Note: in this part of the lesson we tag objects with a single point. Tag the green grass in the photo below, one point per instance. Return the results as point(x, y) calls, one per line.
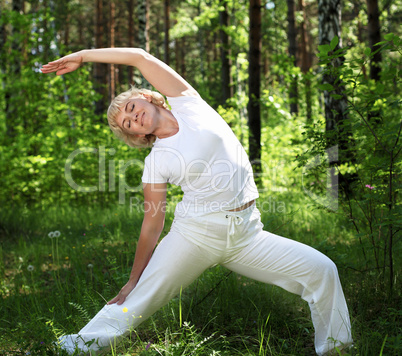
point(52, 286)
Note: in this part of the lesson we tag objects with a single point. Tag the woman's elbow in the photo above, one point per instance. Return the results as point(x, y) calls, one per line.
point(152, 226)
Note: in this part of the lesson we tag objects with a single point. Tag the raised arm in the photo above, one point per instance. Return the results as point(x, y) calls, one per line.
point(158, 74)
point(152, 226)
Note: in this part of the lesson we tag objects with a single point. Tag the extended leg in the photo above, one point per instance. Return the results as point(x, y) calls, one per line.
point(302, 270)
point(175, 263)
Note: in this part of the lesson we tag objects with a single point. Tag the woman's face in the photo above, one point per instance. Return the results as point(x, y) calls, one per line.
point(138, 116)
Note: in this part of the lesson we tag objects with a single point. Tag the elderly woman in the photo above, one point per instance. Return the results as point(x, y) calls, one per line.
point(217, 221)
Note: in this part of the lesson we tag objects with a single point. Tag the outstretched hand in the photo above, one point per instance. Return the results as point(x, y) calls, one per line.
point(124, 292)
point(63, 65)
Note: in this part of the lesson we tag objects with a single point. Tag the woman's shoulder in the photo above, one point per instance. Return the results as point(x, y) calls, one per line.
point(185, 100)
point(193, 106)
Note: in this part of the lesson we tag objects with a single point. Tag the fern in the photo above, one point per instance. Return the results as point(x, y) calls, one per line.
point(82, 311)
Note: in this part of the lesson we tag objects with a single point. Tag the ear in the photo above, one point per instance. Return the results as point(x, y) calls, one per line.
point(147, 97)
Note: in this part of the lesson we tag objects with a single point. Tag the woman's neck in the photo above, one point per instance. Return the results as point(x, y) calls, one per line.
point(168, 124)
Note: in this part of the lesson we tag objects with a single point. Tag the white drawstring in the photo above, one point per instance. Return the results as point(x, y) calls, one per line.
point(233, 221)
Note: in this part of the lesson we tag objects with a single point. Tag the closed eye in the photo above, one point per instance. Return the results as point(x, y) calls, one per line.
point(126, 124)
point(132, 108)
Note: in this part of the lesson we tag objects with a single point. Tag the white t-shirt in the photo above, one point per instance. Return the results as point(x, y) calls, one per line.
point(204, 158)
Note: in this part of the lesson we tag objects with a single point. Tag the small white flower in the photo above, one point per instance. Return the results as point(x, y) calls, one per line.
point(90, 265)
point(30, 268)
point(51, 234)
point(56, 233)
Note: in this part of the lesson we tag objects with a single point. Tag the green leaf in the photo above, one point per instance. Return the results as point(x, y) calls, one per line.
point(381, 43)
point(325, 86)
point(367, 51)
point(380, 88)
point(334, 43)
point(348, 72)
point(324, 48)
point(389, 36)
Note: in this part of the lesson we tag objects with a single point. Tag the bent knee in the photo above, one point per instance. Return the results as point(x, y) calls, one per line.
point(327, 267)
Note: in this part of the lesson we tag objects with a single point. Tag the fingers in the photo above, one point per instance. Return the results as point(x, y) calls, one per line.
point(125, 291)
point(114, 300)
point(60, 66)
point(119, 300)
point(63, 65)
point(46, 68)
point(51, 67)
point(57, 69)
point(56, 61)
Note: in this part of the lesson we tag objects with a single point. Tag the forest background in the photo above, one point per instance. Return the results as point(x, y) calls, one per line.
point(311, 89)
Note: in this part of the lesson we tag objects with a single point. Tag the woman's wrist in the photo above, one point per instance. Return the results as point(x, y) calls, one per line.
point(132, 282)
point(84, 55)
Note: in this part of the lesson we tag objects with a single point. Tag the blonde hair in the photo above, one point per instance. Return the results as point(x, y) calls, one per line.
point(115, 109)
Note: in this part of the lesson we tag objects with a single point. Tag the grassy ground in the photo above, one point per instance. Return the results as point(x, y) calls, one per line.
point(52, 285)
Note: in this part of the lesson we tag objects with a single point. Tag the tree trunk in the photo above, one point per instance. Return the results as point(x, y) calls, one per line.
point(304, 53)
point(374, 35)
point(180, 61)
point(3, 40)
point(201, 45)
point(112, 80)
point(67, 31)
point(130, 36)
point(227, 91)
point(254, 82)
point(63, 16)
point(166, 27)
point(305, 64)
point(177, 49)
point(100, 69)
point(292, 52)
point(80, 29)
point(329, 12)
point(143, 24)
point(45, 29)
point(143, 30)
point(360, 31)
point(339, 132)
point(336, 118)
point(14, 61)
point(214, 55)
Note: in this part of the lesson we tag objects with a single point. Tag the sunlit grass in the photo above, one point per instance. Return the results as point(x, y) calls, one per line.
point(52, 284)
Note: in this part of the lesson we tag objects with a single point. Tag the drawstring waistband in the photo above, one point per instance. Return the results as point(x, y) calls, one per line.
point(233, 221)
point(219, 231)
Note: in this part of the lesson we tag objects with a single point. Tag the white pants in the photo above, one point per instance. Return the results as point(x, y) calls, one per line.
point(236, 241)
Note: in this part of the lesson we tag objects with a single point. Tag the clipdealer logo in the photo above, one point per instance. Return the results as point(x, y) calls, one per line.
point(123, 165)
point(330, 199)
point(189, 169)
